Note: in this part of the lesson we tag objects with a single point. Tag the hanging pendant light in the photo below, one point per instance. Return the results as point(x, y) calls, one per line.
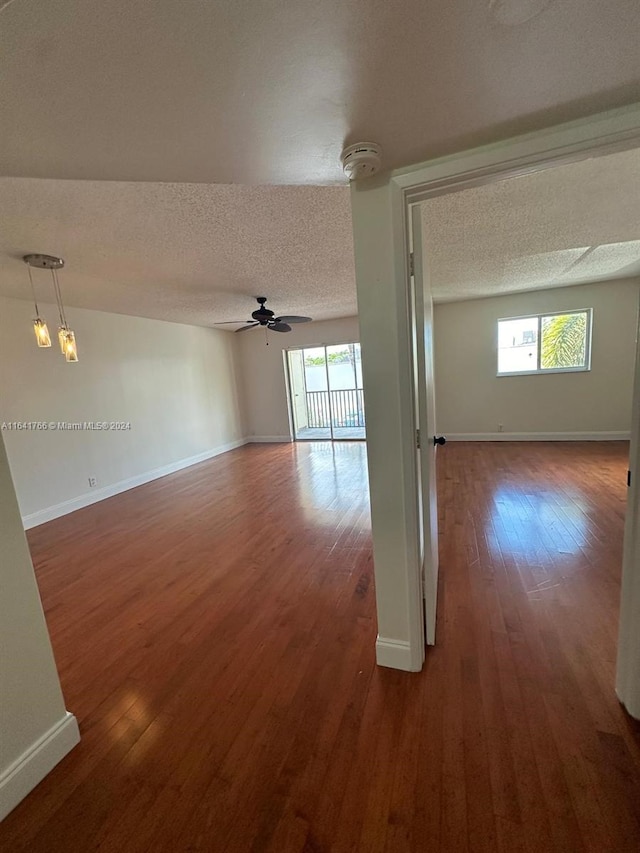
point(70, 348)
point(42, 332)
point(66, 337)
point(43, 338)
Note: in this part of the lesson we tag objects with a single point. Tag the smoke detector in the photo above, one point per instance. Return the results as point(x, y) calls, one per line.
point(361, 160)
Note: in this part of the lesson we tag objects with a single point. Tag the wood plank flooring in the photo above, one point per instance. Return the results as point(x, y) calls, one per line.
point(214, 632)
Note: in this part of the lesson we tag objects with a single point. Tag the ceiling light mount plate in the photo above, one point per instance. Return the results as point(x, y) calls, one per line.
point(44, 262)
point(361, 160)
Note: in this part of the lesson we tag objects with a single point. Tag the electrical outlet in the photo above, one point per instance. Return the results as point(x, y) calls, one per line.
point(92, 481)
point(500, 427)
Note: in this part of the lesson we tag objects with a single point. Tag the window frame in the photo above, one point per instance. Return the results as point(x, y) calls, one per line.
point(544, 370)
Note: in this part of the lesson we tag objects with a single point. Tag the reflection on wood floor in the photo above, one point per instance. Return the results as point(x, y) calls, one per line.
point(339, 433)
point(215, 630)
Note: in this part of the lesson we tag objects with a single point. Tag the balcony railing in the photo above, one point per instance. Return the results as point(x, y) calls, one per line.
point(335, 408)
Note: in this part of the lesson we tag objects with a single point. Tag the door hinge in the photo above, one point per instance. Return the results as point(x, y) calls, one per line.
point(418, 439)
point(412, 270)
point(629, 479)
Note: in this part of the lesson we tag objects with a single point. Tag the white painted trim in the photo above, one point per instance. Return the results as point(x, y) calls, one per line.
point(623, 435)
point(35, 763)
point(339, 343)
point(396, 654)
point(604, 133)
point(96, 495)
point(269, 439)
point(632, 706)
point(628, 657)
point(385, 336)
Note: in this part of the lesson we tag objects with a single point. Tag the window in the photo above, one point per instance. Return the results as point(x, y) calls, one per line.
point(545, 343)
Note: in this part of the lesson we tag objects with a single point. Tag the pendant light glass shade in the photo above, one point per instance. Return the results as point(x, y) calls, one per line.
point(62, 331)
point(70, 346)
point(43, 338)
point(42, 332)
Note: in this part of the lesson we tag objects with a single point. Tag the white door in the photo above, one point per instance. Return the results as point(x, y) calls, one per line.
point(426, 424)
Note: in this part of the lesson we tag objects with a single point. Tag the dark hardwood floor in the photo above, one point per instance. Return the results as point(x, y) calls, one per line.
point(214, 632)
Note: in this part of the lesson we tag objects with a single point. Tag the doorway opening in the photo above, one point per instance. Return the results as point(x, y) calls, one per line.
point(512, 355)
point(383, 272)
point(325, 392)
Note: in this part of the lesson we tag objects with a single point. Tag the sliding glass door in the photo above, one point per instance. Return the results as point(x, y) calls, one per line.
point(326, 392)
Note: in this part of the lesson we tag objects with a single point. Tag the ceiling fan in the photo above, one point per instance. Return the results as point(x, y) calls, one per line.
point(265, 317)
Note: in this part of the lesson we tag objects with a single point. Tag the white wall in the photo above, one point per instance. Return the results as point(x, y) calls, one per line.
point(471, 400)
point(175, 384)
point(36, 729)
point(263, 375)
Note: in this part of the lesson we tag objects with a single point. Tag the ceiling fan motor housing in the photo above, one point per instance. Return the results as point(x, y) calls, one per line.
point(262, 314)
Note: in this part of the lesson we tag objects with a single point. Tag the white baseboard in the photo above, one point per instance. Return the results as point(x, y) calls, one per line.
point(396, 654)
point(623, 435)
point(632, 706)
point(95, 495)
point(269, 439)
point(23, 775)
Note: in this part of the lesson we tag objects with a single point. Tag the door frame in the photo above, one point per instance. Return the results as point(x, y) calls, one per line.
point(381, 225)
point(425, 420)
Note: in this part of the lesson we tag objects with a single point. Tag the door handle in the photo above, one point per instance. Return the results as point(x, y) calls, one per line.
point(439, 439)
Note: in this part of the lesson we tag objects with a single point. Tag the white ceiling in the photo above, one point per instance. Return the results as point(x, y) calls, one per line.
point(145, 143)
point(568, 225)
point(190, 253)
point(268, 92)
point(199, 253)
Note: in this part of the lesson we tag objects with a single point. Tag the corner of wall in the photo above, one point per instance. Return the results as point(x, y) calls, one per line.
point(36, 762)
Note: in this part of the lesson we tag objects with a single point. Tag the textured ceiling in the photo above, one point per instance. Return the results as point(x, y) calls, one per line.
point(199, 253)
point(191, 253)
point(568, 225)
point(268, 92)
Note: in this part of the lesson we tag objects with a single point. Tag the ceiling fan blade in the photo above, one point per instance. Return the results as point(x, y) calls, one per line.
point(292, 318)
point(279, 327)
point(231, 322)
point(250, 326)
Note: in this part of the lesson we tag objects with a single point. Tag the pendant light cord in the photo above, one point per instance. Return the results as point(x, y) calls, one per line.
point(56, 287)
point(33, 292)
